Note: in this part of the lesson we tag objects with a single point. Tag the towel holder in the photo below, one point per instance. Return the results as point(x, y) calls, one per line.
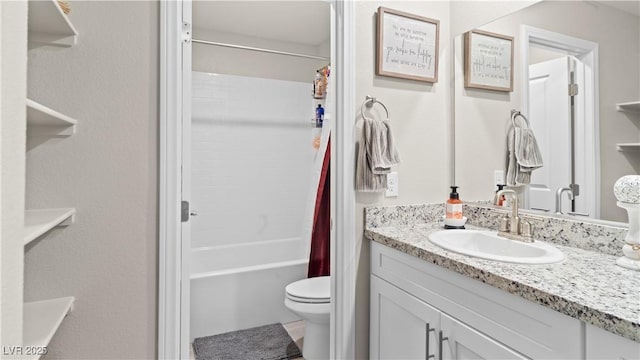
point(369, 102)
point(514, 115)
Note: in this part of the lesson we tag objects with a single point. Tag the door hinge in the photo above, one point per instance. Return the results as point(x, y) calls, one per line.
point(186, 33)
point(184, 211)
point(573, 89)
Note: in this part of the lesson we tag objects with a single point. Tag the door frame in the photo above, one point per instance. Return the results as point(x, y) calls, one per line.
point(172, 300)
point(587, 52)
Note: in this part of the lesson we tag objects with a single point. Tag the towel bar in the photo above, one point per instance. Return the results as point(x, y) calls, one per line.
point(515, 114)
point(369, 102)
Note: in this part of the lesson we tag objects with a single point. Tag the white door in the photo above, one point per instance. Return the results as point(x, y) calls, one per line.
point(549, 116)
point(402, 326)
point(585, 146)
point(462, 342)
point(185, 242)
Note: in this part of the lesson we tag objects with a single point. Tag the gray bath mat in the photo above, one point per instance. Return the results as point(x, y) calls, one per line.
point(269, 342)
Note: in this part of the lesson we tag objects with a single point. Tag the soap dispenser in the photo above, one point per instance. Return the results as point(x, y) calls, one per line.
point(502, 198)
point(453, 216)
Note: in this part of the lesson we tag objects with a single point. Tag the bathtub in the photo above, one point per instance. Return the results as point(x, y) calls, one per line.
point(241, 286)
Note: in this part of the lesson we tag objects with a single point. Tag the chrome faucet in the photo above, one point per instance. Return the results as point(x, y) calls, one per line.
point(512, 227)
point(559, 198)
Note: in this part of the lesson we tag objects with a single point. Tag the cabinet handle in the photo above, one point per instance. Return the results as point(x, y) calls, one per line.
point(441, 340)
point(429, 330)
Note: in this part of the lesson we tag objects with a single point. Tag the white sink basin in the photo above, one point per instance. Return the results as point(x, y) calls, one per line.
point(488, 245)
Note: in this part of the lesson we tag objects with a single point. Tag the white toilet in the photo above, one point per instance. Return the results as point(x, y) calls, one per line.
point(310, 299)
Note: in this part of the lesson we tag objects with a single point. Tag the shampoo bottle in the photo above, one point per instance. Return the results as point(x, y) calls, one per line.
point(318, 86)
point(319, 116)
point(454, 205)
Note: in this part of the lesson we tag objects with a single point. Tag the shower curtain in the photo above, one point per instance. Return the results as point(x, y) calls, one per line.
point(319, 256)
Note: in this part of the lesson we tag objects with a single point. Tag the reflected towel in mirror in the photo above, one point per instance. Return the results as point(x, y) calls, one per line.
point(523, 154)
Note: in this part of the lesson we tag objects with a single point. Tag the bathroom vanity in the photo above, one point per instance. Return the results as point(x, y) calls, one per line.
point(428, 302)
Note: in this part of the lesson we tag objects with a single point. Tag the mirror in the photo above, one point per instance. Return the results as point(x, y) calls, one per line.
point(595, 43)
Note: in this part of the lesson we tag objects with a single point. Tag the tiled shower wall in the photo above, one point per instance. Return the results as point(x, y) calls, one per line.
point(251, 159)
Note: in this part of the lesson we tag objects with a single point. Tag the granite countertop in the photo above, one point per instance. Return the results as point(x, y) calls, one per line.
point(587, 285)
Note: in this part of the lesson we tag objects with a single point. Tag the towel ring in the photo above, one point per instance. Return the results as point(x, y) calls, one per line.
point(514, 115)
point(369, 102)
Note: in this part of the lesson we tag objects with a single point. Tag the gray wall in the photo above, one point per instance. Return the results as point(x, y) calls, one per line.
point(108, 172)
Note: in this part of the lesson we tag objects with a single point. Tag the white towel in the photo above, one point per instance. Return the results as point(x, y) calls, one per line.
point(523, 155)
point(376, 154)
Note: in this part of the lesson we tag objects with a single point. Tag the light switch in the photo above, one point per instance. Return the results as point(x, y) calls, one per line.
point(392, 184)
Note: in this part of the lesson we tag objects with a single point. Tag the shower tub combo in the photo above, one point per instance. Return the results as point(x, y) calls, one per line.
point(254, 186)
point(242, 286)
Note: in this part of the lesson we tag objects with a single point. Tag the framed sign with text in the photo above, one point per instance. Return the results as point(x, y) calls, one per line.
point(407, 46)
point(488, 61)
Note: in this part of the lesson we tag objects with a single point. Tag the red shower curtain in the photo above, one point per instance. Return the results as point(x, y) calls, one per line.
point(319, 257)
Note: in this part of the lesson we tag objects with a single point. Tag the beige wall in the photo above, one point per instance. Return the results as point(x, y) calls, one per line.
point(108, 172)
point(420, 122)
point(482, 116)
point(13, 72)
point(467, 15)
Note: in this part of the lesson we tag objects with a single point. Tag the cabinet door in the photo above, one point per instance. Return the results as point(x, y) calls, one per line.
point(602, 344)
point(462, 342)
point(400, 324)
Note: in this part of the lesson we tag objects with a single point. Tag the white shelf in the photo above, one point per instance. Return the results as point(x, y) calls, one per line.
point(38, 222)
point(43, 121)
point(633, 106)
point(628, 147)
point(48, 25)
point(41, 320)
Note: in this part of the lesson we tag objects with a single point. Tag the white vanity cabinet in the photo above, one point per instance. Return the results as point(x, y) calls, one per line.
point(602, 344)
point(460, 341)
point(409, 296)
point(404, 327)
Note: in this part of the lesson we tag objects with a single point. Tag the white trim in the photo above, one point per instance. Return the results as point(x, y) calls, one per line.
point(183, 166)
point(343, 236)
point(587, 52)
point(169, 264)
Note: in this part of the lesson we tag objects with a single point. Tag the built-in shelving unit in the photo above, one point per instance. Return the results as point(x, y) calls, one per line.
point(41, 321)
point(48, 25)
point(43, 121)
point(633, 106)
point(629, 107)
point(38, 222)
point(628, 147)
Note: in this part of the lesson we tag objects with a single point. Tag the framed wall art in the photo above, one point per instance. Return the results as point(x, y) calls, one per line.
point(407, 46)
point(488, 61)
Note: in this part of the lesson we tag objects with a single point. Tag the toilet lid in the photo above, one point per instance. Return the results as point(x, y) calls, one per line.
point(312, 290)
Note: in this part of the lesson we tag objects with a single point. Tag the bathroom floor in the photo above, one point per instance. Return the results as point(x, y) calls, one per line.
point(295, 330)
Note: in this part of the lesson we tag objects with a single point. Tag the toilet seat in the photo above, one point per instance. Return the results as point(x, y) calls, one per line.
point(311, 291)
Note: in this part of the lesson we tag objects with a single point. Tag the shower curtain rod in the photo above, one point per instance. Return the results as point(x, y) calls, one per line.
point(259, 49)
